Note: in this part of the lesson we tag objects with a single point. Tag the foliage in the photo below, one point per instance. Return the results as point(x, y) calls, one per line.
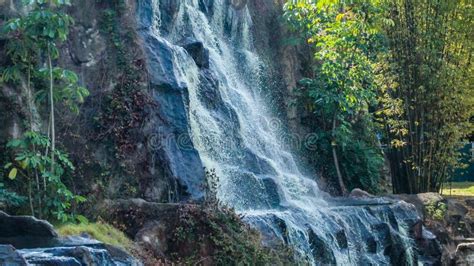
point(346, 41)
point(31, 39)
point(9, 198)
point(428, 75)
point(124, 109)
point(405, 65)
point(227, 239)
point(33, 34)
point(436, 210)
point(66, 91)
point(47, 194)
point(37, 34)
point(100, 231)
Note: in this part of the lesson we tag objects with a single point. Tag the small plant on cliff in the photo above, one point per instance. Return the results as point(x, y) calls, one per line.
point(48, 196)
point(436, 210)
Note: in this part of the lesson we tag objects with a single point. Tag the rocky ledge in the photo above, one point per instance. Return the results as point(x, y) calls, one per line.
point(25, 240)
point(446, 236)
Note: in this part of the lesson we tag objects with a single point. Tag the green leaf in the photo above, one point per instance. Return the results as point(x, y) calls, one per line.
point(339, 17)
point(14, 143)
point(82, 219)
point(80, 199)
point(12, 174)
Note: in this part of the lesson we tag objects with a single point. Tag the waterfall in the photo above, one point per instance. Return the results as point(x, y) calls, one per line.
point(232, 128)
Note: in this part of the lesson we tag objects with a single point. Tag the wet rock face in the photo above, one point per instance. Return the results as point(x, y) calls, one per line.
point(67, 256)
point(169, 10)
point(341, 239)
point(169, 131)
point(371, 245)
point(438, 241)
point(198, 52)
point(206, 6)
point(379, 232)
point(321, 251)
point(10, 256)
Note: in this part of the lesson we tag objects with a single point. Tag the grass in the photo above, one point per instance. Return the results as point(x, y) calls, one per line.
point(100, 231)
point(459, 189)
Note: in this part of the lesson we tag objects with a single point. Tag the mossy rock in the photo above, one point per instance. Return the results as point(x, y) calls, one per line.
point(100, 231)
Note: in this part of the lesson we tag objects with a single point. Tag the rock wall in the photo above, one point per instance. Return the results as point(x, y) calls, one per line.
point(124, 143)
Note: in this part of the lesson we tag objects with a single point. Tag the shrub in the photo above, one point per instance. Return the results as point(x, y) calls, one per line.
point(436, 210)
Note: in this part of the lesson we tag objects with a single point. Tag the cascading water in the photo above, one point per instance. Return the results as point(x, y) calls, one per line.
point(234, 133)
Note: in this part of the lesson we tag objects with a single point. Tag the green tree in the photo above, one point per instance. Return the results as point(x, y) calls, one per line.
point(346, 40)
point(32, 47)
point(38, 33)
point(429, 74)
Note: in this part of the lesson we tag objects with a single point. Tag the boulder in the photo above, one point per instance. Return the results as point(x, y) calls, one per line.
point(429, 197)
point(465, 254)
point(419, 200)
point(24, 226)
point(359, 193)
point(153, 236)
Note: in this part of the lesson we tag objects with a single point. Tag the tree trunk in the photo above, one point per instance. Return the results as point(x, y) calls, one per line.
point(51, 98)
point(336, 161)
point(32, 128)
